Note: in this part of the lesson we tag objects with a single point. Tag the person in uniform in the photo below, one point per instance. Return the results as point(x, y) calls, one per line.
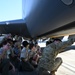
point(48, 61)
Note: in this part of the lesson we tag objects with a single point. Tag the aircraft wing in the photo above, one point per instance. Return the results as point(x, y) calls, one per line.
point(48, 18)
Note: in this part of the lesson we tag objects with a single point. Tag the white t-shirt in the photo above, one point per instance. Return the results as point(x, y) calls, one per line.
point(8, 52)
point(24, 53)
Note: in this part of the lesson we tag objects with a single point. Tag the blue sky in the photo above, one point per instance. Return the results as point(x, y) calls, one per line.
point(10, 10)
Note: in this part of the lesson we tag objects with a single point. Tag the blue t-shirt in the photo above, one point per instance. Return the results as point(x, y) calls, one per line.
point(1, 51)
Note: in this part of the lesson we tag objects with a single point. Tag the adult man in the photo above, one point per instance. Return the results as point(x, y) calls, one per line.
point(4, 61)
point(33, 55)
point(49, 62)
point(26, 66)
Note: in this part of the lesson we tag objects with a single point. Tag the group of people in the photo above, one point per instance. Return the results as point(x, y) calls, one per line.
point(25, 56)
point(18, 55)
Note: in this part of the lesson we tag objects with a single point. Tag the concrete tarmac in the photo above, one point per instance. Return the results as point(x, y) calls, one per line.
point(68, 66)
